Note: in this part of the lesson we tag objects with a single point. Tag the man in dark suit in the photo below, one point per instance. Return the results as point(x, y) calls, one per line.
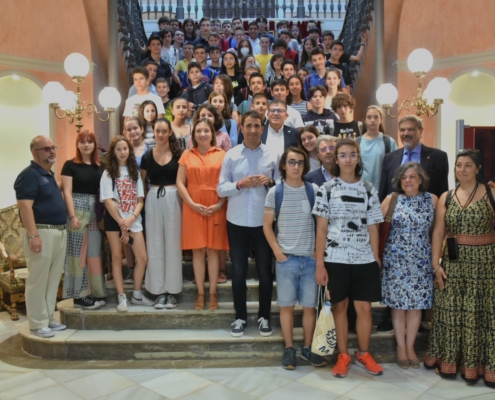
point(433, 161)
point(276, 135)
point(325, 147)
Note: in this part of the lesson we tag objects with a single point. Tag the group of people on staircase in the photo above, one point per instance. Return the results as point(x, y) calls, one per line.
point(232, 170)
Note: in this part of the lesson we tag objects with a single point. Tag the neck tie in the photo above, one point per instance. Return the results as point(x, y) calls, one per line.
point(408, 156)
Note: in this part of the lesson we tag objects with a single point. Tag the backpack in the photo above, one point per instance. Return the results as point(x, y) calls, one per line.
point(279, 197)
point(386, 142)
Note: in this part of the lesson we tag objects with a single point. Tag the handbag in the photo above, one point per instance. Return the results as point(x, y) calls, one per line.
point(385, 225)
point(324, 337)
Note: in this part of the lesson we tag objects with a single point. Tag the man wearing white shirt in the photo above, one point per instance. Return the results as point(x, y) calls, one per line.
point(253, 30)
point(280, 90)
point(247, 172)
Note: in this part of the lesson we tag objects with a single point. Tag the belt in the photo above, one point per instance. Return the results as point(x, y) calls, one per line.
point(57, 227)
point(476, 240)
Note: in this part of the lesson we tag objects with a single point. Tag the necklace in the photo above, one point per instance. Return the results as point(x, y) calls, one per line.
point(470, 198)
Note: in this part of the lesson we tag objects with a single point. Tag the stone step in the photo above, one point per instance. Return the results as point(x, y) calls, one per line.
point(73, 344)
point(182, 317)
point(189, 291)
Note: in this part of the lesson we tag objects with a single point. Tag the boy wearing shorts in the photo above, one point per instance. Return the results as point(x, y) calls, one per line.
point(290, 204)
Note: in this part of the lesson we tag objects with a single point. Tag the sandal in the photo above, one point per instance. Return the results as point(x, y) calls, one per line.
point(222, 278)
point(213, 301)
point(200, 302)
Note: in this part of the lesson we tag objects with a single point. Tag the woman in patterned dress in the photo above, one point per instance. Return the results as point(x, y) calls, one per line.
point(463, 332)
point(407, 280)
point(83, 273)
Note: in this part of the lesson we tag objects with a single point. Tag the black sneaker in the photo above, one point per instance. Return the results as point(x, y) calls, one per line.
point(239, 326)
point(160, 302)
point(265, 328)
point(101, 300)
point(289, 358)
point(130, 276)
point(171, 301)
point(314, 359)
point(87, 303)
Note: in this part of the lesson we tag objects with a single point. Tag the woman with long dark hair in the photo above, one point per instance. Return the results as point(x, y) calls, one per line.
point(231, 68)
point(83, 274)
point(189, 30)
point(163, 216)
point(463, 331)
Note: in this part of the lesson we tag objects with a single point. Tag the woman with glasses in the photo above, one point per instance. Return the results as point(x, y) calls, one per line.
point(348, 213)
point(463, 332)
point(83, 274)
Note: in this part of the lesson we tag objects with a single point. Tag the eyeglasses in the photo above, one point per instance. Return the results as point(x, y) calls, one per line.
point(327, 149)
point(276, 110)
point(293, 163)
point(48, 149)
point(344, 156)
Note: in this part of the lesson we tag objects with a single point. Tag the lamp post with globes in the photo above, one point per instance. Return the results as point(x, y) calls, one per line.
point(428, 102)
point(77, 67)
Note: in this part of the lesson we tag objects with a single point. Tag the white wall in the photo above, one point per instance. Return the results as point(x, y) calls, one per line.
point(472, 99)
point(23, 115)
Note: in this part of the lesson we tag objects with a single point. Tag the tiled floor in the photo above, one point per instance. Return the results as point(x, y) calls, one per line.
point(271, 383)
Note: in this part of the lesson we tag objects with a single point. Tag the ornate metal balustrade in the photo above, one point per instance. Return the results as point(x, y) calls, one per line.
point(358, 18)
point(223, 9)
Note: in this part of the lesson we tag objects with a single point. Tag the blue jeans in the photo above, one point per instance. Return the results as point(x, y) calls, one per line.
point(296, 282)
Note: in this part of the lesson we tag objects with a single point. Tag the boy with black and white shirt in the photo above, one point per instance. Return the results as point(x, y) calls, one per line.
point(348, 212)
point(290, 204)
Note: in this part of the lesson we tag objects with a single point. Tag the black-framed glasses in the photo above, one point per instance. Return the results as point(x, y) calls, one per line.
point(293, 163)
point(276, 110)
point(327, 149)
point(48, 149)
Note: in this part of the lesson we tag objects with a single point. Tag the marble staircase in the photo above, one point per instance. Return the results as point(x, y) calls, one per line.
point(181, 333)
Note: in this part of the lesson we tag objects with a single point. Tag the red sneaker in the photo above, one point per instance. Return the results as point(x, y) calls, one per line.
point(367, 362)
point(341, 368)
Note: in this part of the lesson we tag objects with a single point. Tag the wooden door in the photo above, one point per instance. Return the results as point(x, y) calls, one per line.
point(483, 139)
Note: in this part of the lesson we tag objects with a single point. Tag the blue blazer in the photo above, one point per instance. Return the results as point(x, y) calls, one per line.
point(316, 177)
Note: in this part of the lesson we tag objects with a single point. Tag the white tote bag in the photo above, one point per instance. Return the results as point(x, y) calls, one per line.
point(324, 338)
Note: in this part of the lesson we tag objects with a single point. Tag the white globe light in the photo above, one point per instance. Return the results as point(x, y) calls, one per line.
point(76, 65)
point(420, 60)
point(53, 92)
point(109, 97)
point(387, 94)
point(439, 88)
point(428, 95)
point(69, 101)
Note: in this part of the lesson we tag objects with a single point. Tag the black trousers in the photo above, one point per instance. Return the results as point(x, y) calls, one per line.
point(240, 238)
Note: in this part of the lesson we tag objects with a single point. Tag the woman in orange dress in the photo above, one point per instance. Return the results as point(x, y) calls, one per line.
point(204, 223)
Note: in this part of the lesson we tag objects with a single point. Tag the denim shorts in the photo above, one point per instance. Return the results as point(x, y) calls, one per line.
point(296, 282)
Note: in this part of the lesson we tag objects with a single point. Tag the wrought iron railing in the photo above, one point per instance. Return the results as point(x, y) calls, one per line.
point(358, 19)
point(131, 28)
point(223, 9)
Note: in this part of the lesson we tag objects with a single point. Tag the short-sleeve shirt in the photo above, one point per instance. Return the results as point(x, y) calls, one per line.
point(160, 175)
point(296, 228)
point(346, 130)
point(34, 183)
point(126, 192)
point(132, 104)
point(85, 177)
point(349, 209)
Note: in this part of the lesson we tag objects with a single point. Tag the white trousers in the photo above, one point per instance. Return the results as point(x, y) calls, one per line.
point(45, 270)
point(163, 241)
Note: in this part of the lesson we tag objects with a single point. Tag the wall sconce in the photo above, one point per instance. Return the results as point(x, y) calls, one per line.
point(77, 67)
point(428, 102)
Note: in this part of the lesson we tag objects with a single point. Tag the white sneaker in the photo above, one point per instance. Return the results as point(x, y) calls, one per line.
point(43, 332)
point(123, 305)
point(143, 301)
point(57, 326)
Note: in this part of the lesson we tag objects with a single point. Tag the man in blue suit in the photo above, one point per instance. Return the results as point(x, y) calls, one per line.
point(325, 146)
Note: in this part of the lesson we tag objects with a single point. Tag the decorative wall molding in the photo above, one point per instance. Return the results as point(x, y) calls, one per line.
point(462, 61)
point(29, 63)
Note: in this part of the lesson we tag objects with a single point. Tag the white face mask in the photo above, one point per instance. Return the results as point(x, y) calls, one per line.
point(244, 51)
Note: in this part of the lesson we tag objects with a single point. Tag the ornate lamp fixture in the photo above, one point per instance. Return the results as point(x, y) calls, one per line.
point(77, 67)
point(428, 102)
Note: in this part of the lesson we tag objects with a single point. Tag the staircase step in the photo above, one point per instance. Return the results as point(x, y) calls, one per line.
point(178, 344)
point(182, 317)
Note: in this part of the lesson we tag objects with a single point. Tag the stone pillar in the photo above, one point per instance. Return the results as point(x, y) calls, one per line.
point(300, 8)
point(113, 64)
point(179, 11)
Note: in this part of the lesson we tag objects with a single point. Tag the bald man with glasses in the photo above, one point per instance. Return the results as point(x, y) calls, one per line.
point(44, 217)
